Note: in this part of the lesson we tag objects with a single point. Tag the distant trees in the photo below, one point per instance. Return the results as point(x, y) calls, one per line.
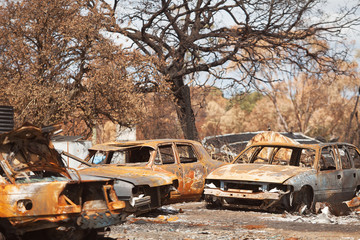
point(56, 65)
point(319, 108)
point(214, 36)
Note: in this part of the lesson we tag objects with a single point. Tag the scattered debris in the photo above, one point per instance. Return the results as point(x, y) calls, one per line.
point(354, 204)
point(227, 224)
point(251, 227)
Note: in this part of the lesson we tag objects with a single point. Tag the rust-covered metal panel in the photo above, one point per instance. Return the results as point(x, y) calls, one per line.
point(235, 193)
point(257, 172)
point(354, 204)
point(136, 175)
point(270, 136)
point(17, 196)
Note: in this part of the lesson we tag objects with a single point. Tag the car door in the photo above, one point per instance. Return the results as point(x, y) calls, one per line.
point(166, 161)
point(193, 170)
point(355, 157)
point(328, 186)
point(348, 180)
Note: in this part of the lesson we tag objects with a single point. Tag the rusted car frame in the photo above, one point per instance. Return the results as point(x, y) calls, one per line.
point(286, 176)
point(38, 193)
point(179, 166)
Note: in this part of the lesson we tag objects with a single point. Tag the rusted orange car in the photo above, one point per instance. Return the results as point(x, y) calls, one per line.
point(38, 195)
point(153, 172)
point(288, 176)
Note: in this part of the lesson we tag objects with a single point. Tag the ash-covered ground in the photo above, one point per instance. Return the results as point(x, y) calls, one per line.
point(194, 221)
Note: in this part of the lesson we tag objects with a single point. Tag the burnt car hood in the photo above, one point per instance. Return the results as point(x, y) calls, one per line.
point(256, 172)
point(28, 148)
point(135, 175)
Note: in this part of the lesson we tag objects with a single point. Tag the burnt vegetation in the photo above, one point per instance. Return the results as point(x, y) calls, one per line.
point(67, 61)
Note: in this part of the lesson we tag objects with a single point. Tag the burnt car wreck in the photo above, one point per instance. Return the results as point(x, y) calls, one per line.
point(39, 195)
point(286, 176)
point(151, 173)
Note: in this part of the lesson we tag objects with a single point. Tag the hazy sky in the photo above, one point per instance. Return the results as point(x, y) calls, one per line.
point(353, 36)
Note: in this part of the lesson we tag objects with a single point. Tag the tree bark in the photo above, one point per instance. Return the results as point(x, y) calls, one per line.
point(349, 137)
point(184, 109)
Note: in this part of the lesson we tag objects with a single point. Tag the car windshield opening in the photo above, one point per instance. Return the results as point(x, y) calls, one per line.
point(32, 155)
point(278, 155)
point(135, 155)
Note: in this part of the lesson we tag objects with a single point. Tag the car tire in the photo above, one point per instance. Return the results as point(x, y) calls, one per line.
point(211, 204)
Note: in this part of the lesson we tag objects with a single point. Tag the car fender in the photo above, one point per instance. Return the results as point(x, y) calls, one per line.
point(123, 189)
point(302, 179)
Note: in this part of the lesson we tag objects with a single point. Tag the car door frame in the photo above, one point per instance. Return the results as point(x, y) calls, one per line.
point(174, 168)
point(349, 176)
point(194, 174)
point(328, 182)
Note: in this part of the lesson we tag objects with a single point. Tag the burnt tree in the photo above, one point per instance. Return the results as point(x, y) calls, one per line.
point(215, 36)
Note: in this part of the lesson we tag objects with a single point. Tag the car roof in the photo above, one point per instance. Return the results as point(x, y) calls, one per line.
point(299, 145)
point(121, 145)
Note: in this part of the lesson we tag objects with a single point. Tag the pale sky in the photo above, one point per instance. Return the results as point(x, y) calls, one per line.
point(353, 36)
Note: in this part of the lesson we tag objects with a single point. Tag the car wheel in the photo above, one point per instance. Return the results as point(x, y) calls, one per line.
point(303, 200)
point(211, 203)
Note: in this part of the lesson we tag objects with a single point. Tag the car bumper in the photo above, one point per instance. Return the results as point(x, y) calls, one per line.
point(245, 195)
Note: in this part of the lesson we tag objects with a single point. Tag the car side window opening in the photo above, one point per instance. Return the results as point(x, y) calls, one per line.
point(344, 158)
point(355, 156)
point(165, 155)
point(138, 155)
point(277, 155)
point(186, 154)
point(126, 156)
point(327, 159)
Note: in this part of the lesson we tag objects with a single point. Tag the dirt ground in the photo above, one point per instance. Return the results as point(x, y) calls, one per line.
point(194, 221)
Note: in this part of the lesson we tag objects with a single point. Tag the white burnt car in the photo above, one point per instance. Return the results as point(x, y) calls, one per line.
point(288, 176)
